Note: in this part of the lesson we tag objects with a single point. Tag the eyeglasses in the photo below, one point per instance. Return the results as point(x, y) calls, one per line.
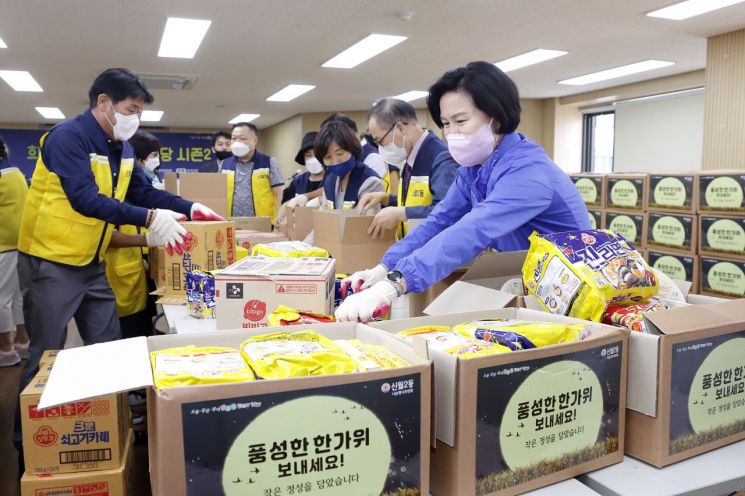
point(380, 141)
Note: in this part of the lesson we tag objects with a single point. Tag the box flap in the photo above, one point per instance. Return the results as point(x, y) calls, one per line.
point(354, 231)
point(269, 267)
point(262, 224)
point(642, 378)
point(170, 182)
point(326, 227)
point(727, 315)
point(98, 370)
point(492, 265)
point(467, 297)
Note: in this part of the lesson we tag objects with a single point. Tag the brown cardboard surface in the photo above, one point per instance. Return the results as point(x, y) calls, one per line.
point(344, 235)
point(252, 288)
point(672, 231)
point(592, 187)
point(673, 192)
point(626, 196)
point(676, 265)
point(722, 191)
point(261, 224)
point(722, 276)
point(210, 189)
point(721, 235)
point(74, 437)
point(248, 238)
point(111, 482)
point(299, 223)
point(631, 225)
point(212, 247)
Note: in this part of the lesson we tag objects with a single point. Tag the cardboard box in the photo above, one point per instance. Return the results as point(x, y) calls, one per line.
point(212, 247)
point(48, 357)
point(156, 258)
point(112, 482)
point(677, 266)
point(671, 231)
point(723, 276)
point(500, 421)
point(256, 431)
point(248, 291)
point(261, 224)
point(344, 234)
point(627, 191)
point(591, 187)
point(597, 218)
point(632, 226)
point(684, 397)
point(247, 239)
point(676, 192)
point(75, 437)
point(722, 235)
point(722, 191)
point(299, 223)
point(210, 189)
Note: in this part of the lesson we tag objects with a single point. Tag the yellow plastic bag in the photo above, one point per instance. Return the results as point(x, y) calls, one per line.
point(521, 334)
point(286, 316)
point(280, 355)
point(371, 356)
point(579, 273)
point(438, 337)
point(288, 249)
point(191, 365)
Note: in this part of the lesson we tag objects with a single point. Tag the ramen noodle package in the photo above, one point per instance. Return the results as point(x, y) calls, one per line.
point(371, 356)
point(280, 355)
point(580, 273)
point(286, 316)
point(288, 249)
point(632, 316)
point(200, 294)
point(191, 365)
point(523, 335)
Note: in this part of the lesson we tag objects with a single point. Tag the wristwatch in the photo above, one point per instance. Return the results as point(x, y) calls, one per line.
point(397, 279)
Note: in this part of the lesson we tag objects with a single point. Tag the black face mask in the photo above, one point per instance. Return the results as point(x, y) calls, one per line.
point(222, 155)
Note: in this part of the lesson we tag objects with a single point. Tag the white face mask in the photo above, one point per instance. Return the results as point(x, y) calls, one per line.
point(239, 149)
point(152, 163)
point(126, 125)
point(313, 165)
point(392, 153)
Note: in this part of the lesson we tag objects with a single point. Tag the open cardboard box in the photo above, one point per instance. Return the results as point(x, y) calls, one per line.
point(206, 437)
point(298, 223)
point(344, 234)
point(501, 420)
point(210, 189)
point(261, 224)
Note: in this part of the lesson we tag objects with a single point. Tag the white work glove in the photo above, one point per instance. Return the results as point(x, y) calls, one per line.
point(363, 306)
point(166, 225)
point(365, 278)
point(298, 201)
point(153, 240)
point(314, 203)
point(202, 212)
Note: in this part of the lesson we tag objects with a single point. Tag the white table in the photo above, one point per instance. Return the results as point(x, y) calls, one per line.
point(180, 322)
point(718, 472)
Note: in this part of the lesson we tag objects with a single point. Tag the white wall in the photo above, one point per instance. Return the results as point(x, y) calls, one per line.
point(661, 134)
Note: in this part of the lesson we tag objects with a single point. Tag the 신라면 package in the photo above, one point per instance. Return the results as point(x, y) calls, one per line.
point(521, 334)
point(580, 273)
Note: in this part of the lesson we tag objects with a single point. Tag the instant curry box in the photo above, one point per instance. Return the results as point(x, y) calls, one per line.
point(358, 433)
point(516, 421)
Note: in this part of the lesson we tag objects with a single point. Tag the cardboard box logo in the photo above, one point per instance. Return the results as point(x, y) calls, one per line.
point(234, 290)
point(254, 310)
point(45, 436)
point(192, 243)
point(219, 239)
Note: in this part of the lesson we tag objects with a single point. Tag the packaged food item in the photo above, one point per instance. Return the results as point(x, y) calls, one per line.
point(191, 365)
point(200, 294)
point(580, 273)
point(341, 292)
point(438, 337)
point(371, 356)
point(240, 253)
point(288, 249)
point(472, 348)
point(280, 355)
point(286, 316)
point(521, 334)
point(632, 317)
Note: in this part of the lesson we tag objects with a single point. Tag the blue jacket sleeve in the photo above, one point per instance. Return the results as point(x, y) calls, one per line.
point(517, 197)
point(65, 154)
point(454, 206)
point(142, 194)
point(441, 177)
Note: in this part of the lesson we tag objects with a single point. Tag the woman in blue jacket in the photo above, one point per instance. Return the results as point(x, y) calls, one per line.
point(506, 188)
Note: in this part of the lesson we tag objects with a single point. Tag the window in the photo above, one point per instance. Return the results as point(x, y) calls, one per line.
point(597, 146)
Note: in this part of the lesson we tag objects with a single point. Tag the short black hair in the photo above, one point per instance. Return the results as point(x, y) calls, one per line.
point(341, 134)
point(3, 149)
point(144, 144)
point(218, 135)
point(248, 125)
point(119, 84)
point(343, 118)
point(389, 111)
point(492, 91)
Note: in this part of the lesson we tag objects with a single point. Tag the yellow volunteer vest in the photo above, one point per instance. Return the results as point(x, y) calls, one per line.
point(125, 270)
point(13, 191)
point(52, 230)
point(418, 195)
point(262, 193)
point(391, 182)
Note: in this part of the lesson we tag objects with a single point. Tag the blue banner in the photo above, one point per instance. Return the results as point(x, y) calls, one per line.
point(180, 152)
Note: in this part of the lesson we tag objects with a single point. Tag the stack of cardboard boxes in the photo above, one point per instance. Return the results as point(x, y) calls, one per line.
point(689, 225)
point(78, 448)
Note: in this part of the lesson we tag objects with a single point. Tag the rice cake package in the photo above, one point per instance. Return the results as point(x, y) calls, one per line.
point(191, 365)
point(288, 249)
point(580, 273)
point(370, 356)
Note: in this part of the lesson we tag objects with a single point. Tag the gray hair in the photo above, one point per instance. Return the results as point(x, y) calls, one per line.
point(389, 111)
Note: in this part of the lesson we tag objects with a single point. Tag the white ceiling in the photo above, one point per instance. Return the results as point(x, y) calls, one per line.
point(256, 47)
